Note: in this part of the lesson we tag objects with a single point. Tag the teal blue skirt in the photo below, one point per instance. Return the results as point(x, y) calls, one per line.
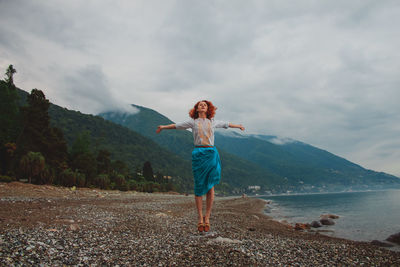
point(206, 166)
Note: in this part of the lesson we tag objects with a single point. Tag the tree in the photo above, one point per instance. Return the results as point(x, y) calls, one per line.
point(10, 123)
point(36, 123)
point(7, 157)
point(56, 149)
point(86, 164)
point(70, 178)
point(32, 164)
point(120, 182)
point(81, 144)
point(10, 73)
point(103, 181)
point(120, 167)
point(148, 172)
point(159, 178)
point(103, 162)
point(38, 136)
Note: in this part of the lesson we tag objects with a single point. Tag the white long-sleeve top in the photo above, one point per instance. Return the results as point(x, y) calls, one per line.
point(203, 130)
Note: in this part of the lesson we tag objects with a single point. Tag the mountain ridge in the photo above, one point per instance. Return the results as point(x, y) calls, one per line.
point(291, 165)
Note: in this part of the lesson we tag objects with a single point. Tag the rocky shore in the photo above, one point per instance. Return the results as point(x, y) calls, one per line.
point(51, 226)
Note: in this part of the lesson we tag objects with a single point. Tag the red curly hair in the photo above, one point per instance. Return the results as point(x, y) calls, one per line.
point(210, 110)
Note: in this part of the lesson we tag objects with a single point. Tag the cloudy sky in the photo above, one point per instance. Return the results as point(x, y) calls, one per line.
point(323, 72)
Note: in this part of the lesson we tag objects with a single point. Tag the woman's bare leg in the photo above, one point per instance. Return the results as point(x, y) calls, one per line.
point(199, 205)
point(209, 202)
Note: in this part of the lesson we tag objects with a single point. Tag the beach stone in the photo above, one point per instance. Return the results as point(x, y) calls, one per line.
point(394, 238)
point(73, 227)
point(302, 226)
point(224, 240)
point(381, 244)
point(316, 224)
point(160, 214)
point(326, 221)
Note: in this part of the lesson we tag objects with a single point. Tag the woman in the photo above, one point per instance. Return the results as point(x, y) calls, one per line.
point(206, 164)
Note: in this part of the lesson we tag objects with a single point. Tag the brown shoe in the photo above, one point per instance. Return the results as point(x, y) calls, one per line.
point(200, 227)
point(206, 225)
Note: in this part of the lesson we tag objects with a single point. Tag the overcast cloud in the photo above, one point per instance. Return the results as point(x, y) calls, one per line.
point(323, 72)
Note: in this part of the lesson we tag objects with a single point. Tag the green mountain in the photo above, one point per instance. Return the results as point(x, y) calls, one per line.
point(274, 164)
point(237, 173)
point(303, 164)
point(124, 144)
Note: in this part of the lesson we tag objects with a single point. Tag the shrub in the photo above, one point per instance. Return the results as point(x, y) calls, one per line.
point(102, 181)
point(80, 179)
point(6, 179)
point(46, 176)
point(68, 178)
point(133, 185)
point(123, 187)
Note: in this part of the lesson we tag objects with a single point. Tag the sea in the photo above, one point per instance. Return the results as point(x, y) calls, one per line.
point(363, 216)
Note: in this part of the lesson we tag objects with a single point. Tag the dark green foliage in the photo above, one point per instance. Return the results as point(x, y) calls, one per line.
point(101, 153)
point(80, 179)
point(57, 151)
point(148, 172)
point(9, 113)
point(31, 165)
point(6, 179)
point(123, 144)
point(120, 182)
point(10, 120)
point(46, 176)
point(38, 136)
point(71, 178)
point(81, 144)
point(86, 164)
point(10, 75)
point(67, 178)
point(103, 181)
point(104, 161)
point(36, 123)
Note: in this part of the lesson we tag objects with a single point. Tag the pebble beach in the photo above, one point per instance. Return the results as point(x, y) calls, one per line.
point(55, 226)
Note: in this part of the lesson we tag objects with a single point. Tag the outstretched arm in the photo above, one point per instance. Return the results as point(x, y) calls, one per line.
point(164, 127)
point(236, 126)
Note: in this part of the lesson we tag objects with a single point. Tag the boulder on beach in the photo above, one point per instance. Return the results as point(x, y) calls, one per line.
point(329, 216)
point(394, 238)
point(327, 221)
point(316, 224)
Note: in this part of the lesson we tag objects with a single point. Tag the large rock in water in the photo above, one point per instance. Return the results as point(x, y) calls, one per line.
point(326, 221)
point(329, 216)
point(394, 238)
point(315, 224)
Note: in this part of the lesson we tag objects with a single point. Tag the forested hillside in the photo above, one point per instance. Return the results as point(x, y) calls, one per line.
point(237, 173)
point(45, 144)
point(259, 160)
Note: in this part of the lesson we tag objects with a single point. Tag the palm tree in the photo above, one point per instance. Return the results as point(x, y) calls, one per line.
point(32, 164)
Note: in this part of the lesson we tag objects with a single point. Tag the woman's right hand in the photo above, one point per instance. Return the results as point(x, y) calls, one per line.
point(159, 128)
